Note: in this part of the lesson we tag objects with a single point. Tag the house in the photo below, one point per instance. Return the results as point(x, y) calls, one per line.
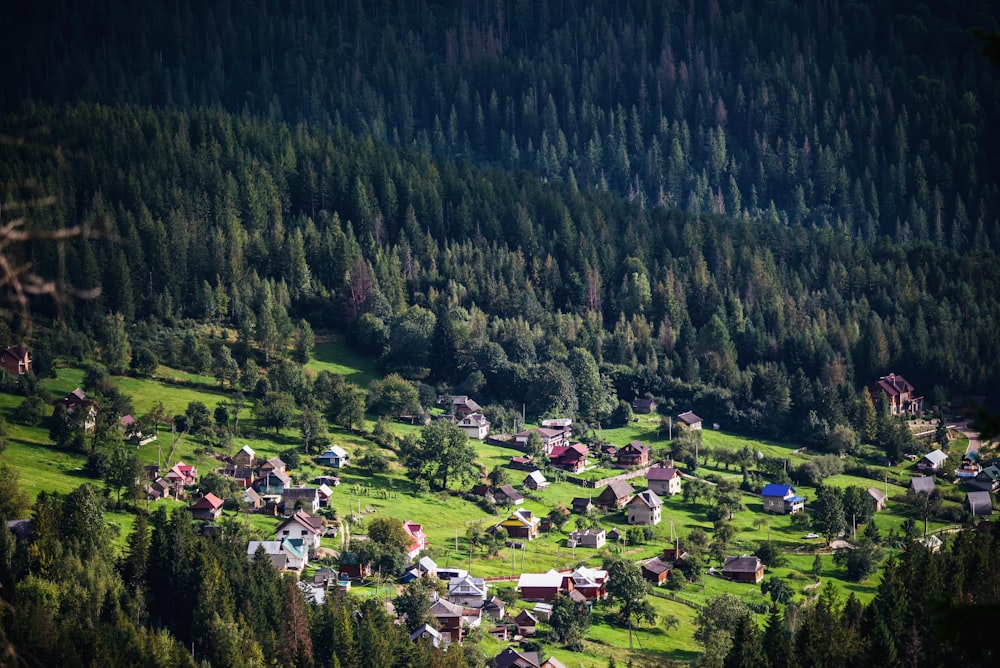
point(182, 475)
point(616, 534)
point(979, 503)
point(334, 456)
point(208, 507)
point(540, 586)
point(932, 542)
point(582, 505)
point(451, 573)
point(240, 475)
point(521, 463)
point(132, 431)
point(418, 541)
point(429, 634)
point(615, 495)
point(483, 490)
point(462, 405)
point(251, 499)
point(782, 499)
point(664, 480)
point(526, 623)
point(454, 619)
point(932, 461)
point(295, 498)
point(507, 495)
point(635, 453)
point(512, 658)
point(245, 456)
point(77, 401)
point(878, 497)
point(291, 554)
point(689, 420)
point(644, 406)
point(548, 523)
point(520, 524)
point(326, 578)
point(550, 438)
point(655, 571)
point(15, 360)
point(922, 485)
point(303, 526)
point(424, 567)
point(273, 482)
point(987, 480)
point(467, 591)
point(898, 393)
point(495, 608)
point(743, 569)
point(536, 480)
point(572, 458)
point(158, 489)
point(475, 426)
point(590, 582)
point(350, 565)
point(595, 538)
point(22, 529)
point(644, 508)
point(325, 495)
point(331, 480)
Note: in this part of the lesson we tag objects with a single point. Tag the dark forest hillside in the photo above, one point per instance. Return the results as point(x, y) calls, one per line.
point(875, 118)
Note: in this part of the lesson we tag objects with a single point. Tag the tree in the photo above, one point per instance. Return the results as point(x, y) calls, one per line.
point(498, 476)
point(31, 411)
point(442, 453)
point(828, 513)
point(275, 411)
point(156, 414)
point(305, 342)
point(595, 398)
point(144, 361)
point(388, 531)
point(199, 419)
point(817, 566)
point(923, 505)
point(374, 460)
point(393, 395)
point(747, 646)
point(569, 620)
point(413, 604)
point(628, 589)
point(124, 472)
point(348, 408)
point(777, 589)
point(715, 625)
point(694, 490)
point(686, 447)
point(115, 350)
point(311, 428)
point(861, 561)
point(14, 501)
point(770, 555)
point(224, 367)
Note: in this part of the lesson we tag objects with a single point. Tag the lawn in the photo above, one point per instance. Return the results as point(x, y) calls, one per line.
point(333, 355)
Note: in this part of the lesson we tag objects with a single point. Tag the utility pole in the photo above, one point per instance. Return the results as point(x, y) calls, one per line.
point(670, 428)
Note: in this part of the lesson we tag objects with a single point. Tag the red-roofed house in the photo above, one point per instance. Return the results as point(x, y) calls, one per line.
point(899, 394)
point(571, 458)
point(208, 507)
point(418, 541)
point(635, 453)
point(15, 360)
point(182, 475)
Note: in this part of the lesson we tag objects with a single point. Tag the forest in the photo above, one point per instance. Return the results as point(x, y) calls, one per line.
point(752, 210)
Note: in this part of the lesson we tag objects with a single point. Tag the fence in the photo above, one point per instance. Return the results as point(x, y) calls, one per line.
point(637, 473)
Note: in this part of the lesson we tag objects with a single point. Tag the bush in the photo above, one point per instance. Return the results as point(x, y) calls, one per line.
point(97, 465)
point(32, 411)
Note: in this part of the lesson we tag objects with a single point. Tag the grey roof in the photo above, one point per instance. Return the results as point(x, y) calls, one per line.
point(689, 418)
point(923, 484)
point(650, 498)
point(936, 457)
point(619, 489)
point(742, 564)
point(980, 503)
point(656, 565)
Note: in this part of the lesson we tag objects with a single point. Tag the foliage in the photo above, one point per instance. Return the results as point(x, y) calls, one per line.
point(828, 513)
point(779, 590)
point(627, 588)
point(861, 561)
point(441, 454)
point(392, 395)
point(569, 620)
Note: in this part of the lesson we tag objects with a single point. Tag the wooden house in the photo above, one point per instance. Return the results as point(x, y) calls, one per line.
point(743, 569)
point(689, 421)
point(208, 507)
point(520, 524)
point(781, 499)
point(644, 406)
point(615, 495)
point(655, 571)
point(635, 453)
point(475, 426)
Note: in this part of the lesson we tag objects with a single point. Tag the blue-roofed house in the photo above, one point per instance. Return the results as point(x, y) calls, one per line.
point(782, 499)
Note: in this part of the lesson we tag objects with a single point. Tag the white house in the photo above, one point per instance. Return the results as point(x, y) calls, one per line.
point(334, 456)
point(303, 526)
point(467, 591)
point(644, 508)
point(475, 426)
point(932, 461)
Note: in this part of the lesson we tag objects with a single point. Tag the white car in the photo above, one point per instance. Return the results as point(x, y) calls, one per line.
point(811, 535)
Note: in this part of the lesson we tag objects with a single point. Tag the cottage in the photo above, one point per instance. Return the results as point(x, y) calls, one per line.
point(644, 406)
point(326, 578)
point(878, 498)
point(334, 456)
point(208, 507)
point(582, 505)
point(303, 526)
point(542, 611)
point(520, 463)
point(272, 464)
point(507, 495)
point(182, 475)
point(250, 499)
point(932, 461)
point(459, 405)
point(664, 480)
point(424, 567)
point(979, 504)
point(245, 456)
point(550, 438)
point(616, 534)
point(645, 508)
point(635, 453)
point(743, 569)
point(290, 554)
point(512, 658)
point(273, 482)
point(898, 394)
point(526, 623)
point(782, 499)
point(540, 586)
point(483, 490)
point(655, 571)
point(922, 485)
point(615, 495)
point(594, 538)
point(572, 458)
point(590, 582)
point(475, 426)
point(689, 420)
point(15, 360)
point(429, 634)
point(520, 524)
point(987, 480)
point(467, 591)
point(454, 619)
point(932, 542)
point(325, 495)
point(495, 608)
point(299, 498)
point(350, 565)
point(240, 475)
point(536, 481)
point(77, 401)
point(418, 541)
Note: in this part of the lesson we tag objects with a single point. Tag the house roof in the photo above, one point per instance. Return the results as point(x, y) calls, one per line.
point(689, 418)
point(981, 503)
point(426, 629)
point(445, 608)
point(536, 476)
point(744, 564)
point(494, 603)
point(522, 516)
point(936, 457)
point(334, 451)
point(544, 432)
point(581, 502)
point(295, 493)
point(617, 489)
point(312, 524)
point(990, 473)
point(894, 385)
point(283, 477)
point(475, 419)
point(572, 452)
point(580, 533)
point(208, 502)
point(250, 494)
point(551, 579)
point(662, 473)
point(247, 449)
point(656, 566)
point(511, 658)
point(275, 463)
point(467, 585)
point(648, 498)
point(877, 494)
point(510, 492)
point(524, 618)
point(635, 446)
point(780, 491)
point(923, 484)
point(643, 403)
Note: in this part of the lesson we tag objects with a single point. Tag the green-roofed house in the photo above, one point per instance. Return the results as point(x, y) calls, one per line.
point(987, 480)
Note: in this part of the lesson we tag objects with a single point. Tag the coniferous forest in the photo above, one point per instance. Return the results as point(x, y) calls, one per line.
point(752, 209)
